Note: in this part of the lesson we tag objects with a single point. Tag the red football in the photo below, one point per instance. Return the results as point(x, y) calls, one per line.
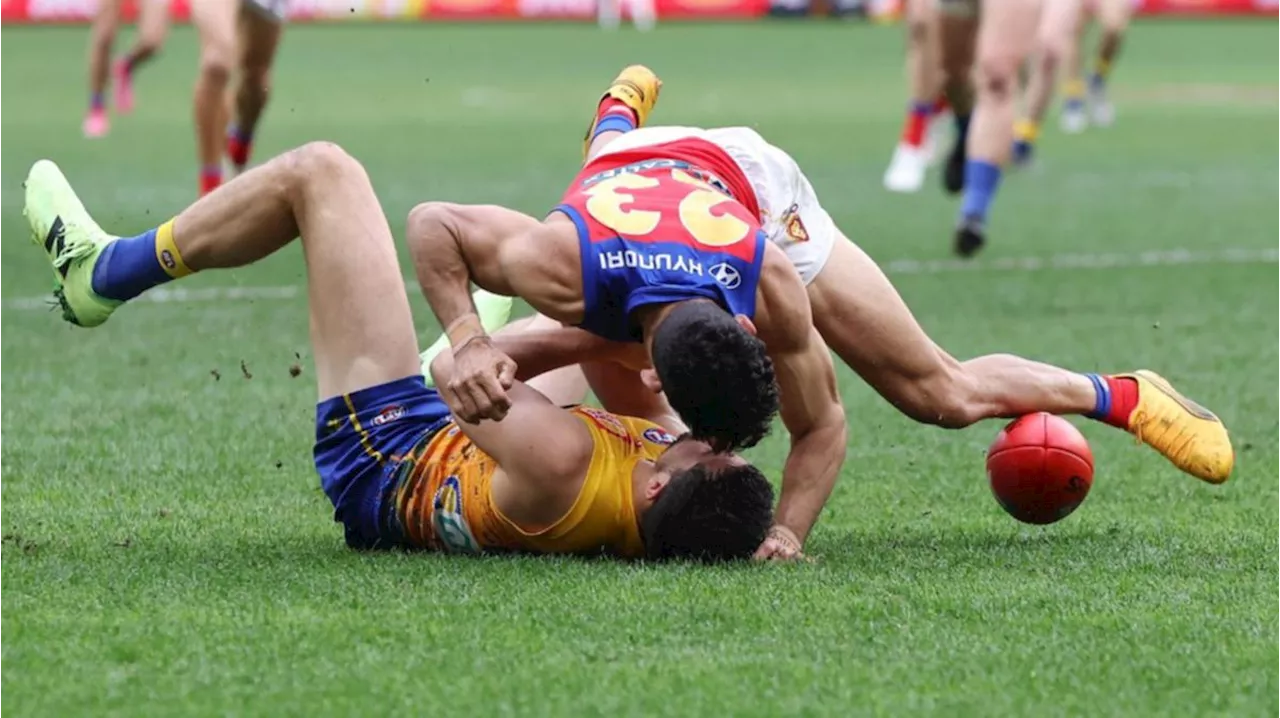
point(1040, 468)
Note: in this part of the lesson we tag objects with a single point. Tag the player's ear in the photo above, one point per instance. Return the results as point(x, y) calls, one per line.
point(745, 322)
point(649, 377)
point(657, 483)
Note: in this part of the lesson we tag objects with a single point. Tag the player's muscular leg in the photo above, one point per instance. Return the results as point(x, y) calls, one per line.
point(1055, 43)
point(957, 36)
point(1113, 17)
point(863, 319)
point(924, 72)
point(215, 22)
point(153, 26)
point(361, 328)
point(1005, 39)
point(101, 36)
point(259, 36)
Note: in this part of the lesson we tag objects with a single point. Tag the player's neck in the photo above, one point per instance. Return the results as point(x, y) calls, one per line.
point(641, 475)
point(649, 317)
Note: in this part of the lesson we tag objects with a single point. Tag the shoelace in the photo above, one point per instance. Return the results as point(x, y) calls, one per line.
point(72, 251)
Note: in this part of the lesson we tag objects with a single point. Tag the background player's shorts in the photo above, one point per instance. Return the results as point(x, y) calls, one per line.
point(790, 212)
point(273, 10)
point(360, 440)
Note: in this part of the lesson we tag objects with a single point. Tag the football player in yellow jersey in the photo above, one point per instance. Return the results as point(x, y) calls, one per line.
point(397, 468)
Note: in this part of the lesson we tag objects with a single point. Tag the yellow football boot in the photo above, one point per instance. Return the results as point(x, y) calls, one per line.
point(637, 87)
point(1187, 434)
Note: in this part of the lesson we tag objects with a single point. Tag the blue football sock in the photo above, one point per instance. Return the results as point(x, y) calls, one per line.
point(980, 182)
point(614, 122)
point(130, 266)
point(1102, 405)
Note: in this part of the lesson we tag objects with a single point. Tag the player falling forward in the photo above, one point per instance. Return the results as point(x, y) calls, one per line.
point(240, 36)
point(656, 212)
point(1060, 41)
point(399, 471)
point(918, 142)
point(153, 24)
point(992, 45)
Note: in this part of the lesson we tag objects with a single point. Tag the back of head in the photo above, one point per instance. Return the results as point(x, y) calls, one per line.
point(717, 375)
point(710, 516)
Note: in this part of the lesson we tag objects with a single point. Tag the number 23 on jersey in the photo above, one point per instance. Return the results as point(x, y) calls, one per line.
point(643, 205)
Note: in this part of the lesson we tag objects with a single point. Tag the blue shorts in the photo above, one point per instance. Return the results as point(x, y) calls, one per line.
point(360, 440)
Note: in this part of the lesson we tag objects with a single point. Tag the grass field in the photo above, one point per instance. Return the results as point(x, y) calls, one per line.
point(168, 550)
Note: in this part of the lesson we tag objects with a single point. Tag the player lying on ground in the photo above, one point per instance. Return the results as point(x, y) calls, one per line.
point(153, 24)
point(238, 36)
point(653, 247)
point(856, 310)
point(398, 469)
point(1059, 43)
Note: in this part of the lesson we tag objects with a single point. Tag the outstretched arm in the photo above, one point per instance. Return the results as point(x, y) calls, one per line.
point(811, 409)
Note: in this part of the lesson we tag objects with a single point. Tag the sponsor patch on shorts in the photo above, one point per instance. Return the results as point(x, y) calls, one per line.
point(388, 415)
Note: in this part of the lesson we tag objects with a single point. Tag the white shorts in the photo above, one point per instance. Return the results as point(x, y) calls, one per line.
point(274, 10)
point(790, 212)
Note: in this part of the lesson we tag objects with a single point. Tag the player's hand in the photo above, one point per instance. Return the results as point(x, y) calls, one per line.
point(481, 377)
point(780, 544)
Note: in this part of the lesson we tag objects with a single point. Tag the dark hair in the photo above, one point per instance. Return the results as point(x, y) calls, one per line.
point(709, 516)
point(716, 375)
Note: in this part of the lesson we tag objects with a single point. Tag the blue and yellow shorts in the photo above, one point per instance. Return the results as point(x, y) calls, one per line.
point(360, 440)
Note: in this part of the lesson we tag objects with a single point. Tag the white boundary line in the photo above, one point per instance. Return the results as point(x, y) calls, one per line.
point(1164, 258)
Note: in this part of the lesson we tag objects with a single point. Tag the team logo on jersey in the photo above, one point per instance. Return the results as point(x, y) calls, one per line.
point(795, 227)
point(447, 520)
point(654, 435)
point(388, 415)
point(606, 421)
point(726, 275)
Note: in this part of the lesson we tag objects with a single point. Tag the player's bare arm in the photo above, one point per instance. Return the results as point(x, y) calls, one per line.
point(505, 252)
point(543, 452)
point(811, 408)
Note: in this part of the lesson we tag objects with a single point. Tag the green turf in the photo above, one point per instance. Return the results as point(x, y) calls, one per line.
point(169, 551)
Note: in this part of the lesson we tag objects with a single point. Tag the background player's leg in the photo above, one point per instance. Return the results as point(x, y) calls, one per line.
point(609, 14)
point(644, 14)
point(957, 39)
point(1005, 37)
point(101, 36)
point(153, 25)
point(215, 21)
point(864, 320)
point(924, 79)
point(1113, 20)
point(259, 37)
point(1057, 36)
point(1073, 119)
